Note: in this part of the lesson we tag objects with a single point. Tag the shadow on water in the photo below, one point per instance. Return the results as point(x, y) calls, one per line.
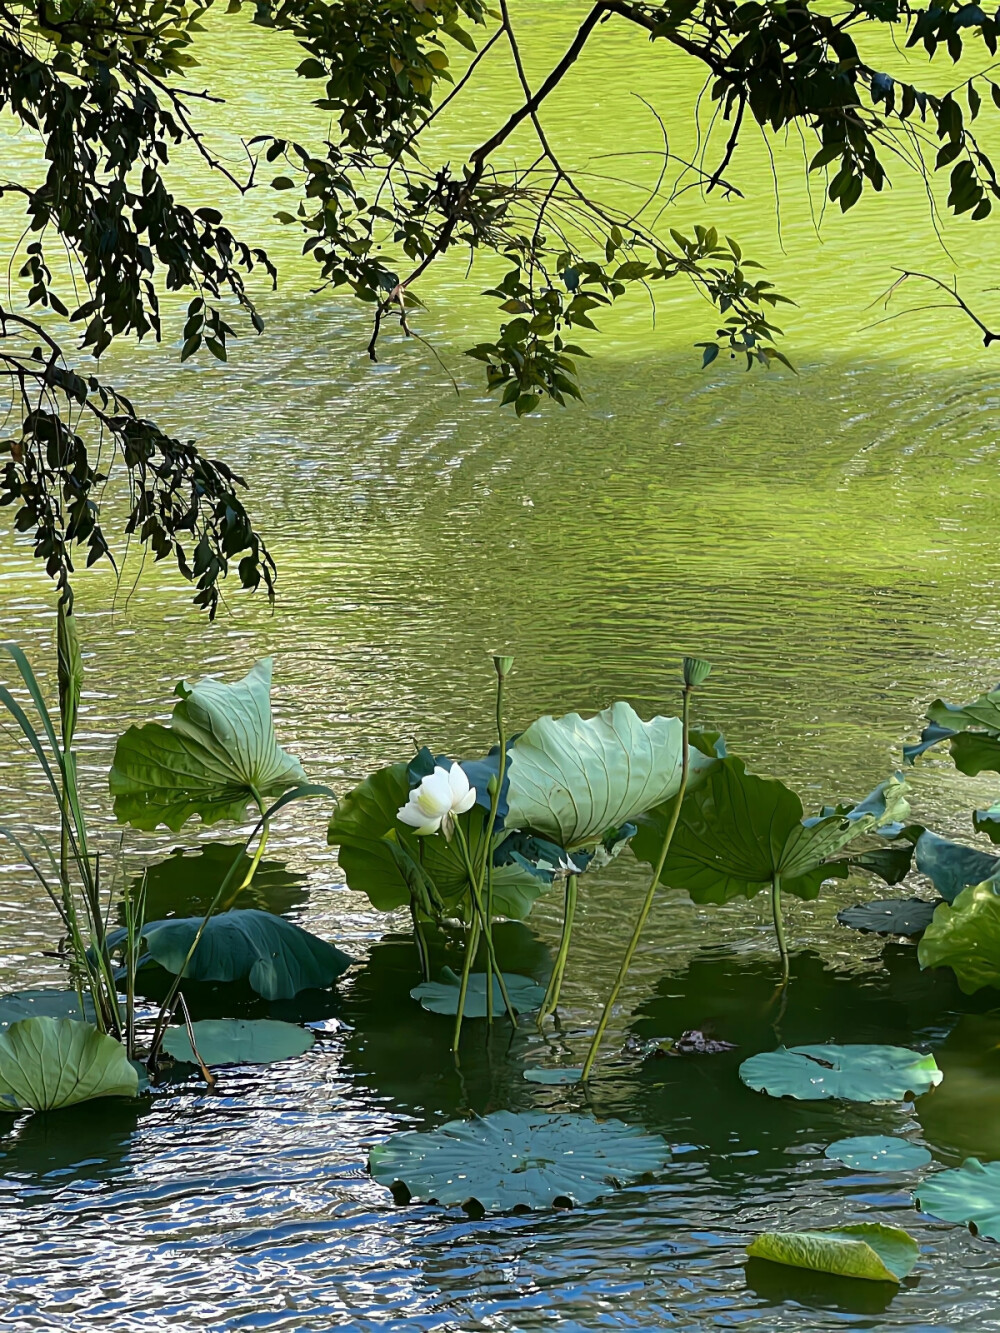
point(185, 883)
point(403, 1053)
point(90, 1142)
point(699, 1099)
point(962, 1118)
point(777, 1284)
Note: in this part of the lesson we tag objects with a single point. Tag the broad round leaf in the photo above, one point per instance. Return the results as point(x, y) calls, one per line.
point(49, 1003)
point(890, 916)
point(572, 779)
point(518, 1160)
point(239, 1041)
point(441, 997)
point(970, 1194)
point(738, 831)
point(875, 1152)
point(865, 1250)
point(218, 749)
point(48, 1063)
point(855, 1073)
point(966, 937)
point(278, 958)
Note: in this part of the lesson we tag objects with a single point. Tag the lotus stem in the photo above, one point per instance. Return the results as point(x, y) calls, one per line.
point(166, 1007)
point(487, 865)
point(559, 967)
point(421, 941)
point(471, 945)
point(206, 1074)
point(644, 911)
point(779, 927)
point(484, 921)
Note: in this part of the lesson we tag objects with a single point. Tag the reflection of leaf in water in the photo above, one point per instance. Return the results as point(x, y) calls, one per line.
point(778, 1285)
point(962, 1119)
point(185, 883)
point(87, 1142)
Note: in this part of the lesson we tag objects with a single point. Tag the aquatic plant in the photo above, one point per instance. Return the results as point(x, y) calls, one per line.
point(855, 1073)
point(867, 1250)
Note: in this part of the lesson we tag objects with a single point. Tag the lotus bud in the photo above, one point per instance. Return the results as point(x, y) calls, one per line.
point(492, 786)
point(696, 671)
point(502, 666)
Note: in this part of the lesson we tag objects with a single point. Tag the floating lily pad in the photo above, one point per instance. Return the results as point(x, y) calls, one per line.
point(874, 1152)
point(855, 1073)
point(46, 1003)
point(890, 916)
point(510, 1160)
point(970, 1195)
point(239, 1041)
point(554, 1077)
point(441, 997)
point(867, 1250)
point(49, 1063)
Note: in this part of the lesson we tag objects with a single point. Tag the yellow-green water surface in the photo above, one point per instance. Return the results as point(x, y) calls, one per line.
point(828, 540)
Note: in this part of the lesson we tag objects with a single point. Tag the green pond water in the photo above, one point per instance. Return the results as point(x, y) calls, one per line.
point(828, 540)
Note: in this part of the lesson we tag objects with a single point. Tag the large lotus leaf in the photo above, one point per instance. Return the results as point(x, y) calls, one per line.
point(573, 779)
point(525, 1159)
point(380, 858)
point(876, 1152)
point(859, 1073)
point(865, 1250)
point(951, 867)
point(965, 936)
point(216, 753)
point(970, 1195)
point(278, 958)
point(239, 1041)
point(737, 831)
point(22, 1004)
point(48, 1063)
point(441, 997)
point(890, 916)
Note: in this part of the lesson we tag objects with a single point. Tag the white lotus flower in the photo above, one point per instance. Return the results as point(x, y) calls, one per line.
point(441, 796)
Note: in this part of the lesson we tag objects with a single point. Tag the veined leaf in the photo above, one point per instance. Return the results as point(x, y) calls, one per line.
point(965, 936)
point(239, 1041)
point(856, 1073)
point(49, 1063)
point(216, 755)
point(865, 1250)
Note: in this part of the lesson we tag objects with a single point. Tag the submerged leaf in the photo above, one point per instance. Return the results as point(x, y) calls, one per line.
point(737, 832)
point(876, 1152)
point(441, 997)
point(525, 1159)
point(278, 958)
point(48, 1063)
point(239, 1041)
point(572, 779)
point(970, 1194)
point(216, 755)
point(890, 916)
point(45, 1003)
point(965, 936)
point(860, 1073)
point(554, 1077)
point(865, 1250)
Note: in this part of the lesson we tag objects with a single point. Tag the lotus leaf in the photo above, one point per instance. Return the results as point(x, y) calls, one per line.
point(875, 1152)
point(971, 730)
point(951, 867)
point(969, 1194)
point(380, 858)
point(216, 755)
point(855, 1073)
point(278, 958)
point(239, 1041)
point(865, 1250)
point(965, 936)
point(554, 1077)
point(525, 1159)
point(572, 779)
point(890, 916)
point(441, 997)
point(48, 1063)
point(737, 832)
point(44, 1003)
